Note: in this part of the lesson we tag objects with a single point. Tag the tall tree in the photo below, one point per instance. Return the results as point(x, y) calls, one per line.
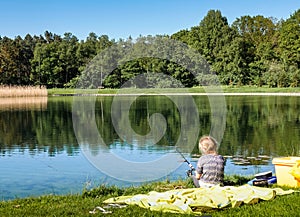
point(8, 68)
point(54, 64)
point(15, 60)
point(212, 34)
point(289, 40)
point(259, 39)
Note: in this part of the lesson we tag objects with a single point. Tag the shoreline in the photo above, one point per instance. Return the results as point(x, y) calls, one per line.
point(184, 94)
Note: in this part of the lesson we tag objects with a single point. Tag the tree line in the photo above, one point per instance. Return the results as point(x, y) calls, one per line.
point(253, 50)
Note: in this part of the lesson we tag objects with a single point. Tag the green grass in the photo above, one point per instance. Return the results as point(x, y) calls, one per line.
point(67, 91)
point(254, 89)
point(81, 204)
point(225, 89)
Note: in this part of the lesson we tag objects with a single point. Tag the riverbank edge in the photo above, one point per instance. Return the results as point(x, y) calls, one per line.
point(81, 204)
point(180, 94)
point(225, 91)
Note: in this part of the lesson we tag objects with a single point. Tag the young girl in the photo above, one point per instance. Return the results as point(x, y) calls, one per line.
point(210, 166)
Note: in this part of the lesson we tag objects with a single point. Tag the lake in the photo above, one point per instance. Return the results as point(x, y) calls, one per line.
point(64, 144)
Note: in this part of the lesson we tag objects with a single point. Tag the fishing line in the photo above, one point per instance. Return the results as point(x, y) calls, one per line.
point(192, 168)
point(185, 160)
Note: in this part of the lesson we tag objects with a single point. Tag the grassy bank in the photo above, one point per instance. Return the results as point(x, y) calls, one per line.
point(28, 91)
point(82, 204)
point(225, 89)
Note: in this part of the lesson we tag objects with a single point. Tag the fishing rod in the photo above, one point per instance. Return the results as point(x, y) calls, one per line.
point(192, 168)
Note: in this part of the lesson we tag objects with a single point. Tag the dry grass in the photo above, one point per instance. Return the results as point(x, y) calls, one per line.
point(22, 91)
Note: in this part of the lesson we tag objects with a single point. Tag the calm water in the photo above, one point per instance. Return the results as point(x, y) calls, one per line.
point(61, 145)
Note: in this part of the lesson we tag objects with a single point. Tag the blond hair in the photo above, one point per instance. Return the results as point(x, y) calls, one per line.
point(208, 145)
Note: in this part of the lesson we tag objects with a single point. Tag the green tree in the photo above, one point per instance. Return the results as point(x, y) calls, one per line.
point(289, 40)
point(67, 58)
point(15, 59)
point(45, 65)
point(7, 56)
point(213, 39)
point(259, 38)
point(55, 63)
point(103, 43)
point(232, 65)
point(182, 35)
point(212, 34)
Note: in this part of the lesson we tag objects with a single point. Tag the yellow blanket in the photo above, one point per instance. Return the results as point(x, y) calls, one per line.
point(195, 200)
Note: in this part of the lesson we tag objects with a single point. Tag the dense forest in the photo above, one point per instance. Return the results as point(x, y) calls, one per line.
point(253, 50)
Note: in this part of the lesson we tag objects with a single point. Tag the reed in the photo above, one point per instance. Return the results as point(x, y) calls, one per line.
point(22, 91)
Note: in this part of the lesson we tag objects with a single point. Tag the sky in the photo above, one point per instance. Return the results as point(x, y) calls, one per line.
point(120, 19)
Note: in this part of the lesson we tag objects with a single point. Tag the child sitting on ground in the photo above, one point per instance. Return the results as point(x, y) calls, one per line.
point(210, 166)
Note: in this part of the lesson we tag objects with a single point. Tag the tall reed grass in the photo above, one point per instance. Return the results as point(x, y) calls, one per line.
point(22, 91)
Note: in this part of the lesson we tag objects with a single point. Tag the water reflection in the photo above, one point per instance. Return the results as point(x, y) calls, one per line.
point(23, 103)
point(262, 126)
point(37, 126)
point(137, 121)
point(38, 145)
point(255, 125)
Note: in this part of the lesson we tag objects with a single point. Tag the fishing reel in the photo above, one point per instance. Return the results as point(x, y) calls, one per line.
point(189, 173)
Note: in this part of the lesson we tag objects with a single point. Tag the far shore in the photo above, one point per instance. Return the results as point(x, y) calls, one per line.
point(180, 94)
point(195, 91)
point(34, 91)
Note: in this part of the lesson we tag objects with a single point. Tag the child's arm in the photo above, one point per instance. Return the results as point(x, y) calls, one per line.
point(197, 175)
